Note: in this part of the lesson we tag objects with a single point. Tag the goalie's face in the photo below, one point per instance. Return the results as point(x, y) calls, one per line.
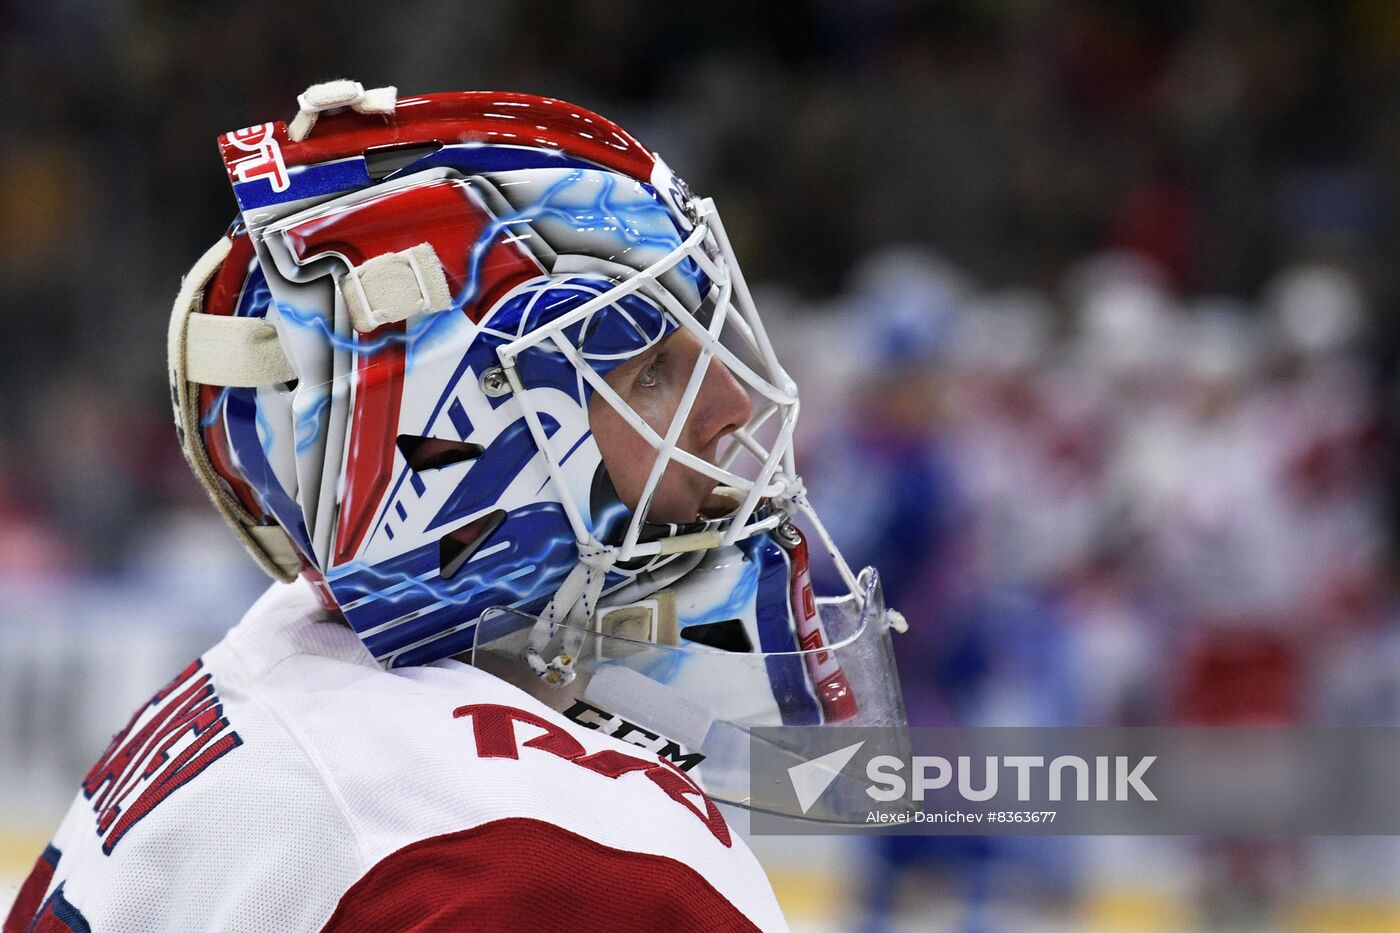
point(652, 384)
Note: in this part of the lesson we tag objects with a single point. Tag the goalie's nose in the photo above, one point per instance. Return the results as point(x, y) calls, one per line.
point(721, 408)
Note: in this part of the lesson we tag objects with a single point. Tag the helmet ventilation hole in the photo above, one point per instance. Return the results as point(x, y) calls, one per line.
point(383, 161)
point(729, 635)
point(457, 547)
point(431, 453)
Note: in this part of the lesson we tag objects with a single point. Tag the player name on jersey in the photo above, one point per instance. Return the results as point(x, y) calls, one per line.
point(170, 740)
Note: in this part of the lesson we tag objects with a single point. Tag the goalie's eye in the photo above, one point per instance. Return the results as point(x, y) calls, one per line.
point(651, 373)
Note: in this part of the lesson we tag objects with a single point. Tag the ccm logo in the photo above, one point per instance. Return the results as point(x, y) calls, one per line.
point(591, 717)
point(494, 728)
point(263, 159)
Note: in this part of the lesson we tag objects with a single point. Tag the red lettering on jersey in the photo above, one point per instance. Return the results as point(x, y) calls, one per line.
point(188, 723)
point(110, 765)
point(493, 726)
point(120, 772)
point(677, 785)
point(181, 771)
point(201, 716)
point(613, 764)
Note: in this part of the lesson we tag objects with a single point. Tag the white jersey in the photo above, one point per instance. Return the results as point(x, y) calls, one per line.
point(287, 782)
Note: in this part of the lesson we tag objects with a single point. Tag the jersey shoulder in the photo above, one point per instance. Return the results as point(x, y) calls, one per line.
point(446, 749)
point(447, 755)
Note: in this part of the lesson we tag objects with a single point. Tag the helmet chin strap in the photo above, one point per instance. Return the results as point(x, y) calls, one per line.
point(573, 605)
point(571, 608)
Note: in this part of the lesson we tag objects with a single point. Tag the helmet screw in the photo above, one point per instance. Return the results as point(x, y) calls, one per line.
point(788, 536)
point(494, 382)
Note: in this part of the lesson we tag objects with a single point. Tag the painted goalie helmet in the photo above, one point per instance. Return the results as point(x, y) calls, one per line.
point(485, 371)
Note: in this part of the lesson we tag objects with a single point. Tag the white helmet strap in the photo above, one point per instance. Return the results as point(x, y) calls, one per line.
point(335, 95)
point(216, 350)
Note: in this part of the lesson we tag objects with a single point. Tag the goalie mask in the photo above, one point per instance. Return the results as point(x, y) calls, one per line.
point(481, 368)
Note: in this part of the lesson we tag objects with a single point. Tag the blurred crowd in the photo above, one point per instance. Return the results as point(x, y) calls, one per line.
point(1108, 504)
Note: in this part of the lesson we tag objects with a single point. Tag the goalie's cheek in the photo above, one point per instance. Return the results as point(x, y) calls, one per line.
point(628, 458)
point(656, 406)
